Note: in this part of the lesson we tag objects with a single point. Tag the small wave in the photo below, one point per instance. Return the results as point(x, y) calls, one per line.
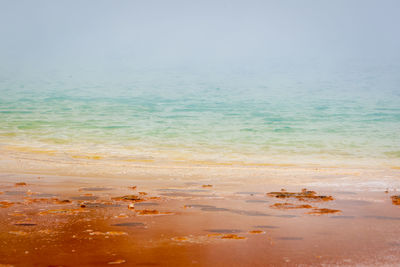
point(393, 154)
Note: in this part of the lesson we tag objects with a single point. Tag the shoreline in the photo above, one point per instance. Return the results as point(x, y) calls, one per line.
point(90, 212)
point(366, 177)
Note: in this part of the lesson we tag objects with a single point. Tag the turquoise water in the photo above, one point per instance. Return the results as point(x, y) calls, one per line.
point(185, 115)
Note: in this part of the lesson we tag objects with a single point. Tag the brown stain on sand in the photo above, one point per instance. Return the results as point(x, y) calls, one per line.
point(109, 233)
point(20, 233)
point(304, 195)
point(151, 212)
point(119, 261)
point(323, 211)
point(179, 238)
point(290, 206)
point(29, 200)
point(256, 232)
point(63, 211)
point(5, 204)
point(133, 198)
point(395, 200)
point(232, 236)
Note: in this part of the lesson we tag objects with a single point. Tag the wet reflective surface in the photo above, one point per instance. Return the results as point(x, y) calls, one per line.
point(69, 221)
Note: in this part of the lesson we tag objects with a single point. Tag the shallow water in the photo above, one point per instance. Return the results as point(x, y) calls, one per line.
point(255, 117)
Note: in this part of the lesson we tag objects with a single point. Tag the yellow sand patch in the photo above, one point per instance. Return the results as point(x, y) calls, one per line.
point(231, 163)
point(95, 157)
point(31, 150)
point(139, 160)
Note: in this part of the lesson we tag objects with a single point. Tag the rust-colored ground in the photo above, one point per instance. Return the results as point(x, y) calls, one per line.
point(65, 221)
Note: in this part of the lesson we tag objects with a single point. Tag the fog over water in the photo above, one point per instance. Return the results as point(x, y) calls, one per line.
point(220, 80)
point(181, 33)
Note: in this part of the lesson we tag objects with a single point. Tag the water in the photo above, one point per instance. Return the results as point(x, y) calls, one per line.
point(236, 116)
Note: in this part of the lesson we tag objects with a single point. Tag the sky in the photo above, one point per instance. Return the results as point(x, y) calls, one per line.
point(149, 33)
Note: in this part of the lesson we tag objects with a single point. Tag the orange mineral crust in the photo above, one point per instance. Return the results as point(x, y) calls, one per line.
point(396, 200)
point(304, 195)
point(51, 222)
point(290, 206)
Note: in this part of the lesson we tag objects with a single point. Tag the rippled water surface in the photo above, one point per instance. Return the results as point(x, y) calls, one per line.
point(223, 117)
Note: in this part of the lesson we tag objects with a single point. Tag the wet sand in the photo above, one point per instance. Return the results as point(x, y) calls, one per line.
point(75, 221)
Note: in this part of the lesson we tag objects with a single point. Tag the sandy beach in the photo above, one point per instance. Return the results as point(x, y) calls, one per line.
point(198, 215)
point(199, 133)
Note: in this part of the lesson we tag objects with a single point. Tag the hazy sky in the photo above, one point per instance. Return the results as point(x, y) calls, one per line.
point(149, 32)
